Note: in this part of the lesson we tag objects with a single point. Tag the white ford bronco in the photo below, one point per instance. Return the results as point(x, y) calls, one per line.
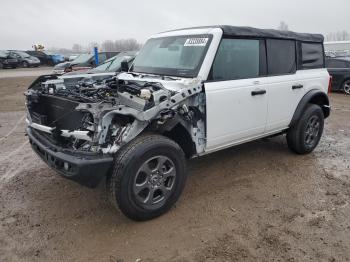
point(188, 93)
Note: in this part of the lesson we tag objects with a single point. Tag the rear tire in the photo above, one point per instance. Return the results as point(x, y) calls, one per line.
point(305, 135)
point(148, 177)
point(1, 65)
point(346, 87)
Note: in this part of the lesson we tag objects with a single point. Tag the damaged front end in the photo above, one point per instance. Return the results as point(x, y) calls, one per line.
point(78, 128)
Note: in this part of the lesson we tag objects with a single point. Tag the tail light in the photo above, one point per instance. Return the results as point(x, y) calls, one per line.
point(330, 85)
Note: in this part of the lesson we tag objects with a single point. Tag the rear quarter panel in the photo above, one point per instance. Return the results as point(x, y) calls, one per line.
point(314, 79)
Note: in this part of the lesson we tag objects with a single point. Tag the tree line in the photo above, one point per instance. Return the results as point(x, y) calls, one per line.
point(333, 36)
point(129, 44)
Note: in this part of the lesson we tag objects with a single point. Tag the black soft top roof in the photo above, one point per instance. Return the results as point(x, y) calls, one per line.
point(244, 31)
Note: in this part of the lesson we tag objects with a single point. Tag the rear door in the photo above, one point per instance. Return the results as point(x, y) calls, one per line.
point(236, 102)
point(284, 87)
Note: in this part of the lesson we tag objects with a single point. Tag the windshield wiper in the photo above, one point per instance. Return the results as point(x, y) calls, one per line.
point(169, 77)
point(163, 77)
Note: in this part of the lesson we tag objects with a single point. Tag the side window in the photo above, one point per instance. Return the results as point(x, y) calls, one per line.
point(281, 58)
point(110, 55)
point(102, 57)
point(14, 55)
point(311, 55)
point(239, 59)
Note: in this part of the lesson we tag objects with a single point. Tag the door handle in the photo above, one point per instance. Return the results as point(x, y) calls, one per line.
point(298, 86)
point(258, 92)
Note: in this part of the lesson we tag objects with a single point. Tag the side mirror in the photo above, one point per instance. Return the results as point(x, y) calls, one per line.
point(124, 66)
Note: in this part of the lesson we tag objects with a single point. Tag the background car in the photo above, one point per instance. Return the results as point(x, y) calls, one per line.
point(46, 58)
point(73, 57)
point(7, 60)
point(339, 69)
point(24, 59)
point(82, 62)
point(111, 65)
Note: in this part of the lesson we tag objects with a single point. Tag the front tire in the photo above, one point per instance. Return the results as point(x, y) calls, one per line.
point(25, 64)
point(305, 135)
point(148, 177)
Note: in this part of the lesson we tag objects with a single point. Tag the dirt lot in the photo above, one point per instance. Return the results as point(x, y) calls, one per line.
point(255, 202)
point(23, 72)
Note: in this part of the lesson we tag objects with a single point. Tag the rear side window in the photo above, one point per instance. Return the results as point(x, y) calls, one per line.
point(311, 55)
point(281, 58)
point(239, 59)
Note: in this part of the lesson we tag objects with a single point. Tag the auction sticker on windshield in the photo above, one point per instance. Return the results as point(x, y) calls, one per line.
point(196, 42)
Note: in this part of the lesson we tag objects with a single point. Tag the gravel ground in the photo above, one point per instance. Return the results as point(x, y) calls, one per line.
point(255, 202)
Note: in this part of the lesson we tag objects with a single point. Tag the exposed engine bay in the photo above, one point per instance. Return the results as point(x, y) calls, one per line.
point(103, 115)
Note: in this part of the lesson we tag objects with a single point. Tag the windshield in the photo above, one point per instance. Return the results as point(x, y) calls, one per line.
point(3, 54)
point(104, 66)
point(113, 64)
point(174, 56)
point(82, 59)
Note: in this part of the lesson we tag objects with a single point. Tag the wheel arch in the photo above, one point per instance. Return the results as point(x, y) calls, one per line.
point(178, 132)
point(316, 97)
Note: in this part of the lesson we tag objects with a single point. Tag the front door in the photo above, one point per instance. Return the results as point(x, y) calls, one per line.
point(236, 101)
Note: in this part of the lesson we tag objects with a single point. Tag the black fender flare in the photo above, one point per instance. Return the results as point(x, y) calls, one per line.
point(314, 96)
point(177, 129)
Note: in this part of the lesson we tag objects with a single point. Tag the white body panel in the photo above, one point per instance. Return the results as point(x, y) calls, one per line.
point(255, 117)
point(283, 100)
point(233, 114)
point(314, 79)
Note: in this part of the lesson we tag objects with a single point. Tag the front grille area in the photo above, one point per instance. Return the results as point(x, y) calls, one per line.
point(57, 112)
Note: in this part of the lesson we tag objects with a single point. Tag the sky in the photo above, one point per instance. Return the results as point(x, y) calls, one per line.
point(65, 22)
